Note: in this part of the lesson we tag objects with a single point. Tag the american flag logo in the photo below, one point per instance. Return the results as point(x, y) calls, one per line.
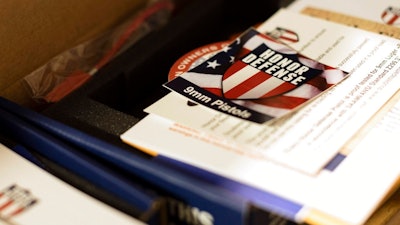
point(270, 95)
point(284, 35)
point(14, 200)
point(391, 15)
point(265, 72)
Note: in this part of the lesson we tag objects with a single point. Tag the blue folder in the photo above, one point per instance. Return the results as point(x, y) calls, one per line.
point(32, 138)
point(71, 148)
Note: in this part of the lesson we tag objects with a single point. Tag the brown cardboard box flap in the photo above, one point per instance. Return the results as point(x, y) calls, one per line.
point(33, 31)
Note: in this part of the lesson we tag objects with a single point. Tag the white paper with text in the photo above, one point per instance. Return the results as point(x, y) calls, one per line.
point(308, 139)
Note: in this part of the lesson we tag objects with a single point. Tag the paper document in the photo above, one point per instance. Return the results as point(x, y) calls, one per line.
point(308, 139)
point(304, 155)
point(29, 195)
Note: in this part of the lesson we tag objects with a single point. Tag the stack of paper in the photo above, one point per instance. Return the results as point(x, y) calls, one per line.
point(278, 110)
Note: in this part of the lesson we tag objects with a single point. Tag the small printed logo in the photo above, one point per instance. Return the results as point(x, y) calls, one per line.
point(391, 15)
point(284, 35)
point(15, 200)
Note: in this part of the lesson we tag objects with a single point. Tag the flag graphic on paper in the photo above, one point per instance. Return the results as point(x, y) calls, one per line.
point(264, 73)
point(14, 200)
point(261, 73)
point(391, 15)
point(284, 35)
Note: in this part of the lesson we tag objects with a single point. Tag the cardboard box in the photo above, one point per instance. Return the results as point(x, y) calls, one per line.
point(33, 31)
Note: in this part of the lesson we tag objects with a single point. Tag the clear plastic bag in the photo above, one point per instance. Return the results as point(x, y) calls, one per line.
point(73, 67)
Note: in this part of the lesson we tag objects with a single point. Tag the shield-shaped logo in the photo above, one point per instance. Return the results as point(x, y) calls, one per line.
point(391, 15)
point(14, 200)
point(284, 35)
point(264, 73)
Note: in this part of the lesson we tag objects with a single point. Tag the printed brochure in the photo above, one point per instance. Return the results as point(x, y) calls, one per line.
point(300, 155)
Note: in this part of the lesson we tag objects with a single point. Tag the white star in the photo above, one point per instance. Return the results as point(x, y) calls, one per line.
point(226, 48)
point(213, 64)
point(232, 59)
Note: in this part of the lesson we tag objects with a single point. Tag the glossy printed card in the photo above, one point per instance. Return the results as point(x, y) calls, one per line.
point(256, 78)
point(307, 139)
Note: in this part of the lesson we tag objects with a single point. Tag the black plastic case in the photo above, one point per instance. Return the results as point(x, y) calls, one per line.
point(113, 100)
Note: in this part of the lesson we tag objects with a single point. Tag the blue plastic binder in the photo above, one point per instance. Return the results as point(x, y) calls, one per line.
point(70, 148)
point(30, 137)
